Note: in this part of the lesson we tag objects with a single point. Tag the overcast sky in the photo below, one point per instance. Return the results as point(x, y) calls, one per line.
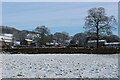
point(57, 16)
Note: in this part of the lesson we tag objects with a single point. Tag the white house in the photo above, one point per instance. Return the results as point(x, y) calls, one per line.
point(6, 39)
point(113, 44)
point(93, 43)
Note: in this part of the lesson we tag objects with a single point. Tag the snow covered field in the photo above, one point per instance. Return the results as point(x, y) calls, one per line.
point(0, 66)
point(59, 66)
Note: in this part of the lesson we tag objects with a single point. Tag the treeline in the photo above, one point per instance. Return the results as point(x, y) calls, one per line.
point(42, 36)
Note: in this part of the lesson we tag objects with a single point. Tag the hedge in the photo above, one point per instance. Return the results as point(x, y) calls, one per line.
point(61, 51)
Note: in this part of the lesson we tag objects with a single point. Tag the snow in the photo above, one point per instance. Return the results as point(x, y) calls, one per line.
point(112, 43)
point(28, 40)
point(0, 67)
point(59, 66)
point(6, 37)
point(10, 35)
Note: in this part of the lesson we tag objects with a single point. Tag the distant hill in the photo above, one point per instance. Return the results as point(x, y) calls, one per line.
point(11, 30)
point(8, 30)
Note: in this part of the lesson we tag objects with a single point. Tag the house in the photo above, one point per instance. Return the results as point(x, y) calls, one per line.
point(51, 44)
point(26, 42)
point(29, 41)
point(113, 44)
point(16, 43)
point(6, 39)
point(93, 43)
point(34, 43)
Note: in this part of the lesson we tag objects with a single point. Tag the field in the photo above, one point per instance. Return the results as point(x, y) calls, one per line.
point(59, 66)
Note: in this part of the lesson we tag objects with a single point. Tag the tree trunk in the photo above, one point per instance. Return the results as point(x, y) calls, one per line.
point(97, 36)
point(42, 39)
point(97, 39)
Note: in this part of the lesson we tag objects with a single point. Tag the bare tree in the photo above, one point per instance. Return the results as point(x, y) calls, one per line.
point(99, 23)
point(79, 39)
point(61, 37)
point(43, 31)
point(19, 36)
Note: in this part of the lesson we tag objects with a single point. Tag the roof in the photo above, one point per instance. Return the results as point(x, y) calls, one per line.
point(10, 35)
point(96, 41)
point(28, 40)
point(17, 42)
point(1, 37)
point(6, 37)
point(7, 40)
point(112, 43)
point(51, 43)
